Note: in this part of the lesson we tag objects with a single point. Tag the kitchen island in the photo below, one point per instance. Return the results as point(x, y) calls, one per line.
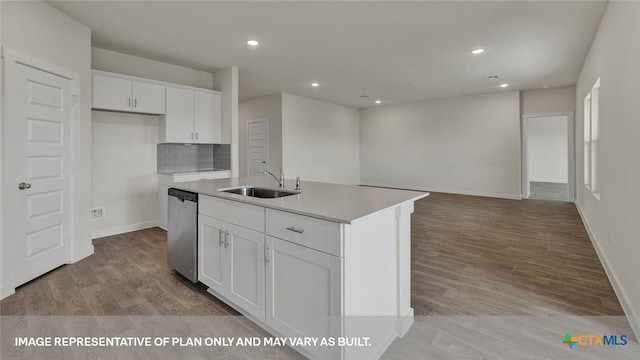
point(329, 262)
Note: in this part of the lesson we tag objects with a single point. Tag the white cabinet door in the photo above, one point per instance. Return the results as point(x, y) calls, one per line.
point(178, 119)
point(111, 93)
point(207, 118)
point(212, 255)
point(303, 291)
point(148, 98)
point(246, 269)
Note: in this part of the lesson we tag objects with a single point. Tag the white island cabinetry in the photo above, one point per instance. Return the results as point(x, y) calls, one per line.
point(330, 262)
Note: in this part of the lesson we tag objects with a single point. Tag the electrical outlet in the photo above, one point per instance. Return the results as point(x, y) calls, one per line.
point(97, 213)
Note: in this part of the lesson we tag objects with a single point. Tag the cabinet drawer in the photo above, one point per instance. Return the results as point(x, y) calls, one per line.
point(313, 233)
point(241, 214)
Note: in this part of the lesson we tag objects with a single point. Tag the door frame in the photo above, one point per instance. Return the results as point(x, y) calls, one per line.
point(266, 155)
point(526, 190)
point(11, 58)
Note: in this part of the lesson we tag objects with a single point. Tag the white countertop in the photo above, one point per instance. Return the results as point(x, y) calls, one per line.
point(333, 202)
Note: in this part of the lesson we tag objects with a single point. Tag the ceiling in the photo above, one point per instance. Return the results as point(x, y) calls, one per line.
point(394, 51)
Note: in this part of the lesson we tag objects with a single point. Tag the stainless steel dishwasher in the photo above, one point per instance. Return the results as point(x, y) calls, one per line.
point(182, 233)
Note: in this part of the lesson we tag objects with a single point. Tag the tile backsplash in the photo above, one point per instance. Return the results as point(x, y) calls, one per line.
point(193, 157)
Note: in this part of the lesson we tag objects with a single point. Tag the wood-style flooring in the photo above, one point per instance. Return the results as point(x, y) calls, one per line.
point(127, 275)
point(470, 256)
point(486, 256)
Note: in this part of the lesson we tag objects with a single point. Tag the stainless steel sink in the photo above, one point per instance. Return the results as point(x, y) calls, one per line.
point(260, 192)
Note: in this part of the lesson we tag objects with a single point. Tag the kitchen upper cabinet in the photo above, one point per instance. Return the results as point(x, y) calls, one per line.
point(192, 116)
point(124, 93)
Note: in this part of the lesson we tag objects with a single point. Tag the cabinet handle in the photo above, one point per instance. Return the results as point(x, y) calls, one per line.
point(135, 103)
point(196, 135)
point(226, 239)
point(192, 136)
point(299, 231)
point(129, 102)
point(266, 254)
point(221, 233)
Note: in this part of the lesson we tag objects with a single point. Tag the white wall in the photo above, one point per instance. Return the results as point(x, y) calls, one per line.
point(112, 61)
point(548, 100)
point(128, 192)
point(613, 220)
point(320, 140)
point(264, 107)
point(227, 81)
point(547, 149)
point(37, 29)
point(468, 145)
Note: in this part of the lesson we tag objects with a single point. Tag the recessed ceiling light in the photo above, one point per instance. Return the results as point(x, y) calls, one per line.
point(253, 42)
point(477, 51)
point(504, 85)
point(378, 101)
point(315, 84)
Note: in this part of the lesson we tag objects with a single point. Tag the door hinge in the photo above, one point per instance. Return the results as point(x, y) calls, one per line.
point(73, 99)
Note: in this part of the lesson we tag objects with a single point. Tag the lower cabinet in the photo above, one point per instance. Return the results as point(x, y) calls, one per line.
point(303, 293)
point(231, 263)
point(288, 285)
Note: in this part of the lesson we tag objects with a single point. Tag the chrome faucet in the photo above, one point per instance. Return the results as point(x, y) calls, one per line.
point(280, 180)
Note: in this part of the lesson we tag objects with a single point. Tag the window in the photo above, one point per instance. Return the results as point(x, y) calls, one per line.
point(591, 139)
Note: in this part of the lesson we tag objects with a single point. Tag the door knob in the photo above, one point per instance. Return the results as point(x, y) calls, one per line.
point(23, 186)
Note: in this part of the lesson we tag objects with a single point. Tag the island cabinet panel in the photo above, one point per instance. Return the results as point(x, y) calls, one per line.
point(303, 293)
point(310, 232)
point(211, 253)
point(231, 263)
point(245, 215)
point(246, 269)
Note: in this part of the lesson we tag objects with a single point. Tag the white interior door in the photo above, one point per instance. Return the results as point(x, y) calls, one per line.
point(257, 147)
point(37, 183)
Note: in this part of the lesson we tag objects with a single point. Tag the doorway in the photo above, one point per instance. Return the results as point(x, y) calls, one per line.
point(40, 109)
point(257, 147)
point(547, 157)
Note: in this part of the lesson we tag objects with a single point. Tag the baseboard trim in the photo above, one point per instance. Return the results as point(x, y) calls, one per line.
point(82, 253)
point(633, 319)
point(404, 323)
point(5, 292)
point(443, 190)
point(123, 229)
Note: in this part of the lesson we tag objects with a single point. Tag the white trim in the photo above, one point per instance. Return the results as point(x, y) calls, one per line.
point(81, 254)
point(526, 191)
point(634, 320)
point(123, 229)
point(248, 147)
point(404, 322)
point(443, 190)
